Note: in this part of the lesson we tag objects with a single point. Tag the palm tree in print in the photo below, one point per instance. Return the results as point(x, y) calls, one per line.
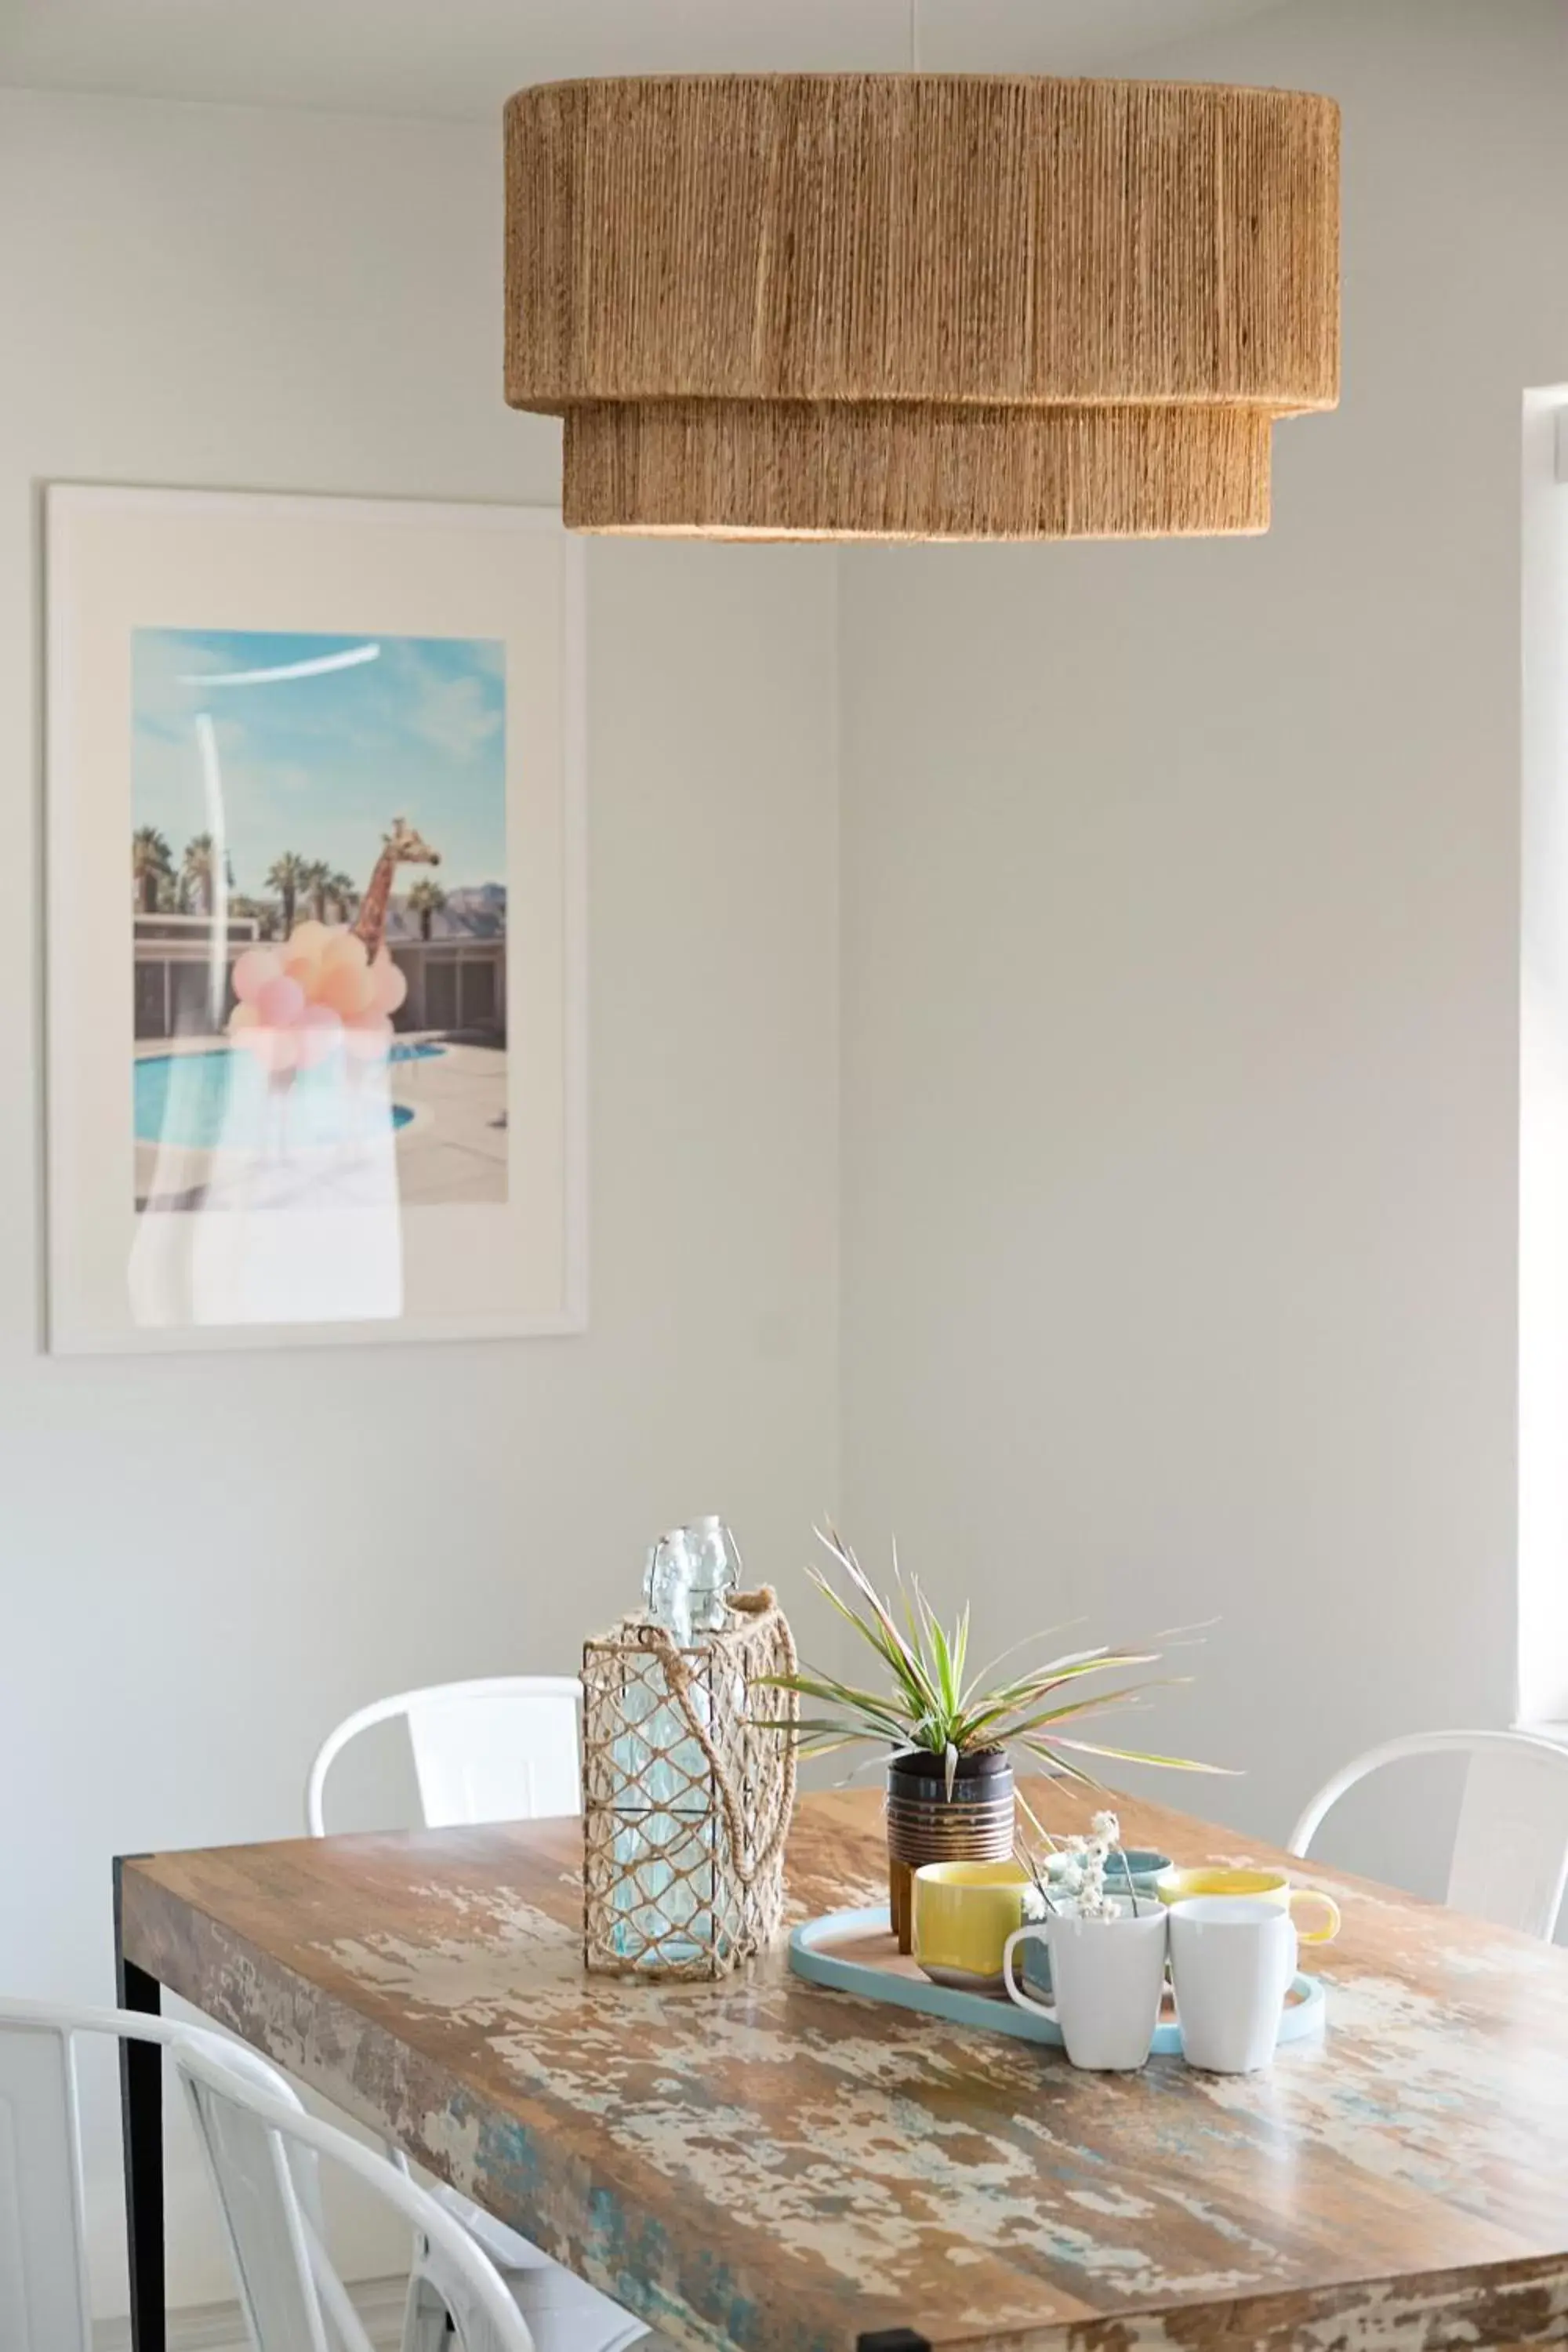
point(316, 882)
point(151, 865)
point(289, 875)
point(198, 870)
point(425, 900)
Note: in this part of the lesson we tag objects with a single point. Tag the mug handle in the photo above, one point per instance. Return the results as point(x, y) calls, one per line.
point(1014, 1990)
point(1331, 1928)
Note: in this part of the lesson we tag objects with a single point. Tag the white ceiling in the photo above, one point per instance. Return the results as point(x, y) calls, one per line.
point(458, 59)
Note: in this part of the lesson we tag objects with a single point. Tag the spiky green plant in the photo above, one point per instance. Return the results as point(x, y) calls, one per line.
point(929, 1704)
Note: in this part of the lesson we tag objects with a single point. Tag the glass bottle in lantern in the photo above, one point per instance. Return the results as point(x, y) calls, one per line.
point(664, 1843)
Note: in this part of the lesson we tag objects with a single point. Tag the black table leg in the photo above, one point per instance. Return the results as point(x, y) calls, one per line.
point(142, 2127)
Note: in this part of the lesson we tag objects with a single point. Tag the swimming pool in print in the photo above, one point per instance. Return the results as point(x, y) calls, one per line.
point(220, 1099)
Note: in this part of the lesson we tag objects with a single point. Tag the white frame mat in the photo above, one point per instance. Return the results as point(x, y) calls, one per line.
point(121, 560)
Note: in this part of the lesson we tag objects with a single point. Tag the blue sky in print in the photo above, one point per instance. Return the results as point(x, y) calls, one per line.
point(320, 741)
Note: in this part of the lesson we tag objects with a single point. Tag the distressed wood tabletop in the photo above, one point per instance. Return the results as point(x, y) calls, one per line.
point(770, 2165)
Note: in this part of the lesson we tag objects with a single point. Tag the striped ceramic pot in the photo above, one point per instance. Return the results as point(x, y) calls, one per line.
point(926, 1824)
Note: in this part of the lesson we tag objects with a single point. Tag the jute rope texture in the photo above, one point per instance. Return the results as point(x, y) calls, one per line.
point(686, 1797)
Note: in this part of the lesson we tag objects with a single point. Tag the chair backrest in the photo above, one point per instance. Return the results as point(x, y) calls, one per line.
point(43, 2301)
point(292, 2298)
point(1510, 1863)
point(268, 2194)
point(502, 1750)
point(45, 2306)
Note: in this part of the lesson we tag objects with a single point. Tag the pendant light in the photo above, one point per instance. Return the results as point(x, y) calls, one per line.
point(920, 306)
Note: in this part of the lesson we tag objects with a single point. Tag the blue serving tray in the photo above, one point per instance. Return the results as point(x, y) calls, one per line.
point(899, 1984)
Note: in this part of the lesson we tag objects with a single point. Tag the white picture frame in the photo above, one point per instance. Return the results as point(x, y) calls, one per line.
point(137, 1264)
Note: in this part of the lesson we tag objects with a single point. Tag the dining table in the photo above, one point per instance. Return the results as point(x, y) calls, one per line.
point(765, 2164)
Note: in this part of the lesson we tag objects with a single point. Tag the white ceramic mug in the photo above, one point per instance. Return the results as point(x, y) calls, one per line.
point(1233, 1961)
point(1107, 1979)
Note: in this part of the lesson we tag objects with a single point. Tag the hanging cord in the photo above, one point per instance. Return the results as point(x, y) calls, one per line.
point(760, 1607)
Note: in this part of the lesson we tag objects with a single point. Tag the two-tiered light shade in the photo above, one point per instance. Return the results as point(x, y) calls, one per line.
point(920, 306)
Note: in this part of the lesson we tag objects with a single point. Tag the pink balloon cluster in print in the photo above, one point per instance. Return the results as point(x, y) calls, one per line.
point(318, 992)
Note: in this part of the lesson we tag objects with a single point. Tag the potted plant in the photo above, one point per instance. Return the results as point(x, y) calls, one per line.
point(952, 1739)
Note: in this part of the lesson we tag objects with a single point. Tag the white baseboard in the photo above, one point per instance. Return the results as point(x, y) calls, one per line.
point(218, 2327)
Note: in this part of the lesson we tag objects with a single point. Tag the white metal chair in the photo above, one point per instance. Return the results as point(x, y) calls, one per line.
point(504, 1749)
point(261, 2149)
point(45, 2305)
point(1510, 1863)
point(500, 1749)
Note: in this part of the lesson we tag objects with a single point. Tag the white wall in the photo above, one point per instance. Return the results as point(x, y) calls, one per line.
point(205, 1562)
point(1543, 1070)
point(1181, 933)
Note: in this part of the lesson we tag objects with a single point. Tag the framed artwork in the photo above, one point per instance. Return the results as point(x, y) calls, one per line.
point(315, 917)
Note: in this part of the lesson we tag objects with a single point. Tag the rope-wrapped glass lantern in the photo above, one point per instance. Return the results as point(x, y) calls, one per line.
point(687, 1777)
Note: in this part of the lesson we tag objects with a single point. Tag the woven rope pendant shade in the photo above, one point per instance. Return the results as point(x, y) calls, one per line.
point(920, 306)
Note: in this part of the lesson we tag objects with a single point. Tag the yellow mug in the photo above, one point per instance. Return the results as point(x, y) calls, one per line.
point(963, 1914)
point(1176, 1884)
